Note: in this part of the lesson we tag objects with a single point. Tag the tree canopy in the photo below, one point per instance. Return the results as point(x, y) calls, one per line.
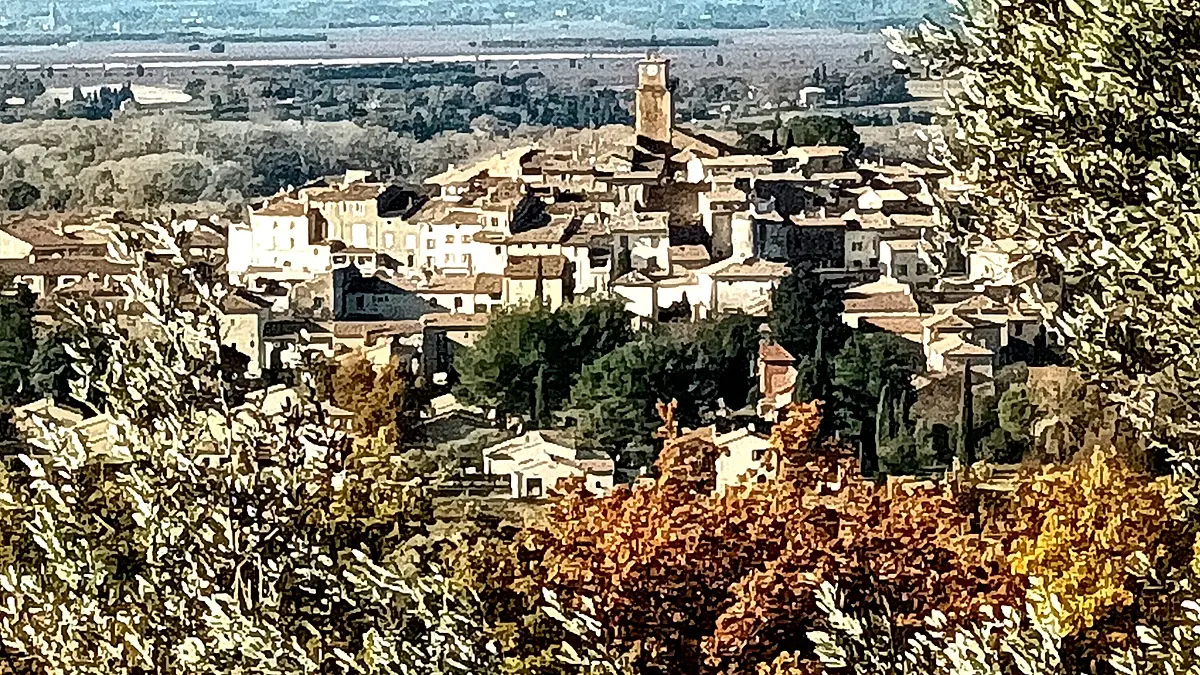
point(527, 359)
point(614, 399)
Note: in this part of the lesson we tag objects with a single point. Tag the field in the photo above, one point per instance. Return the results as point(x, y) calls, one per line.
point(742, 51)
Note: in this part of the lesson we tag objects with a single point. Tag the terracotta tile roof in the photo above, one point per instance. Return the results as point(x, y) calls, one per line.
point(645, 222)
point(908, 327)
point(910, 220)
point(206, 237)
point(242, 301)
point(452, 321)
point(737, 161)
point(891, 195)
point(774, 353)
point(281, 208)
point(476, 283)
point(362, 328)
point(355, 192)
point(507, 164)
point(554, 233)
point(690, 253)
point(458, 217)
point(752, 269)
point(726, 195)
point(907, 245)
point(947, 322)
point(51, 232)
point(818, 222)
point(529, 267)
point(978, 303)
point(818, 150)
point(956, 346)
point(840, 177)
point(881, 302)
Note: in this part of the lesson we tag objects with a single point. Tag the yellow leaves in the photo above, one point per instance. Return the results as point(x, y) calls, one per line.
point(1088, 527)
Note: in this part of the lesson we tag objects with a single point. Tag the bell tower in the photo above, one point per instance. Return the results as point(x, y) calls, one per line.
point(655, 113)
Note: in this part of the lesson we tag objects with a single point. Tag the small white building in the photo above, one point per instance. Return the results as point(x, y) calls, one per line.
point(742, 459)
point(283, 240)
point(537, 461)
point(243, 316)
point(904, 261)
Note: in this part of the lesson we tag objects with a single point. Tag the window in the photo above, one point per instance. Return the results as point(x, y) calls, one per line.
point(449, 239)
point(411, 260)
point(756, 454)
point(389, 239)
point(902, 270)
point(466, 258)
point(429, 262)
point(497, 250)
point(857, 264)
point(358, 302)
point(410, 241)
point(449, 258)
point(533, 487)
point(922, 269)
point(466, 239)
point(599, 485)
point(430, 243)
point(856, 246)
point(458, 303)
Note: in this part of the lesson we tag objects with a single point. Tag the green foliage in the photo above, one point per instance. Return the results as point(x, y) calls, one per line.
point(819, 130)
point(531, 350)
point(866, 364)
point(21, 195)
point(807, 313)
point(16, 346)
point(757, 144)
point(385, 400)
point(1016, 413)
point(1076, 126)
point(613, 401)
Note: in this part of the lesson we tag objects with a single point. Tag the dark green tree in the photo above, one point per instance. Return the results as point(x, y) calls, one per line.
point(17, 344)
point(21, 195)
point(502, 368)
point(756, 144)
point(821, 130)
point(866, 365)
point(701, 367)
point(802, 306)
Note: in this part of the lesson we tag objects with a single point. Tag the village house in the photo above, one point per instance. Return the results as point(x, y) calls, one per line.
point(367, 216)
point(473, 294)
point(904, 261)
point(742, 459)
point(539, 462)
point(543, 279)
point(886, 298)
point(283, 241)
point(777, 376)
point(243, 318)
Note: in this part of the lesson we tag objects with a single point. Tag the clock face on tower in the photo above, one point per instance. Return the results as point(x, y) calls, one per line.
point(652, 70)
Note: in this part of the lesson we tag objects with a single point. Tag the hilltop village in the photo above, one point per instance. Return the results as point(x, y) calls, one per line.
point(679, 227)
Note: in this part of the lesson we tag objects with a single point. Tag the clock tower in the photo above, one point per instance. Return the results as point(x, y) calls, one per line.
point(655, 113)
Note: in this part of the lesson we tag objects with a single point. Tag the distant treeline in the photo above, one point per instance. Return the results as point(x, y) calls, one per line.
point(40, 40)
point(605, 43)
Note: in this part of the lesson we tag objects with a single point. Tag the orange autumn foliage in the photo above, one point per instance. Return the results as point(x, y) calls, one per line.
point(701, 582)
